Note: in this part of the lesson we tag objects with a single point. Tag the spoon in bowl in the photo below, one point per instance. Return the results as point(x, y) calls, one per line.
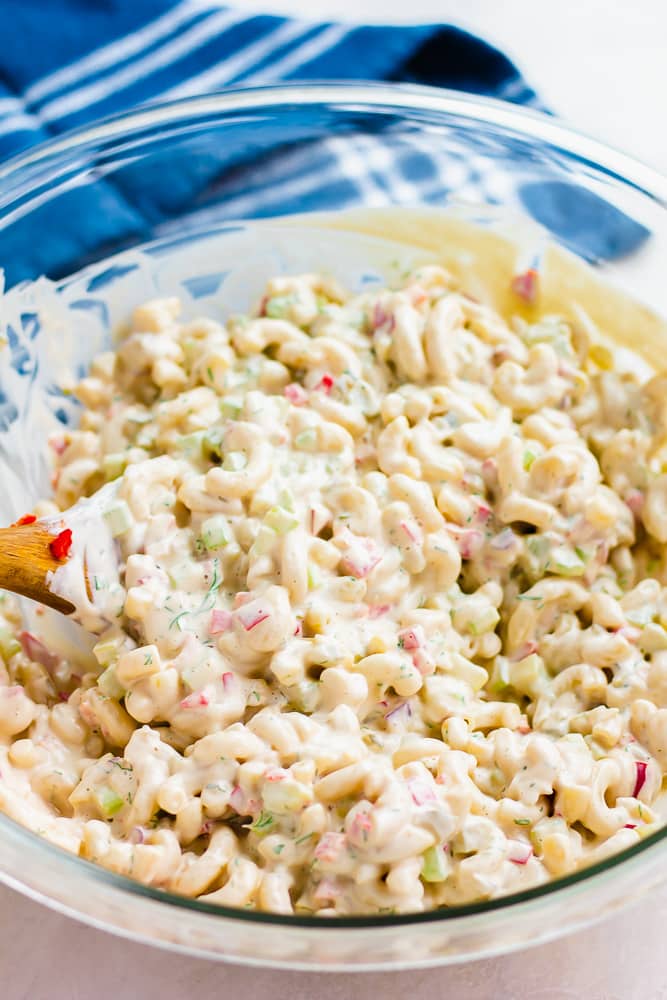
point(68, 561)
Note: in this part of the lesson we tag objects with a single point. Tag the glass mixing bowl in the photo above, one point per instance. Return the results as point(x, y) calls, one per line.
point(166, 174)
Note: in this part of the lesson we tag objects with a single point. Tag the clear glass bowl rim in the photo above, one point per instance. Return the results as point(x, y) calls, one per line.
point(19, 174)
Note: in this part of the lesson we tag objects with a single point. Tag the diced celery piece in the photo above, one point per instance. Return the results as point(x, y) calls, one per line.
point(547, 827)
point(529, 676)
point(528, 459)
point(566, 562)
point(190, 445)
point(215, 532)
point(9, 644)
point(118, 518)
point(538, 546)
point(234, 461)
point(434, 865)
point(287, 796)
point(286, 500)
point(107, 651)
point(109, 801)
point(314, 577)
point(280, 520)
point(306, 440)
point(303, 696)
point(231, 408)
point(262, 499)
point(277, 307)
point(472, 837)
point(500, 675)
point(322, 302)
point(360, 394)
point(113, 465)
point(180, 575)
point(212, 441)
point(109, 684)
point(190, 350)
point(485, 621)
point(264, 542)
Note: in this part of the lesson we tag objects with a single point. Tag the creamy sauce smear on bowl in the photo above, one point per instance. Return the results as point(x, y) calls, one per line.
point(392, 630)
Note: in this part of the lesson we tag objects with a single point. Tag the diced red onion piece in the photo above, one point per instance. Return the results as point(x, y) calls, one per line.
point(423, 661)
point(35, 650)
point(412, 530)
point(504, 540)
point(330, 846)
point(519, 852)
point(412, 638)
point(326, 890)
point(399, 710)
point(359, 828)
point(469, 542)
point(198, 699)
point(251, 615)
point(220, 622)
point(58, 443)
point(326, 384)
point(318, 519)
point(296, 394)
point(382, 317)
point(524, 650)
point(421, 792)
point(275, 774)
point(641, 766)
point(526, 285)
point(483, 513)
point(629, 632)
point(635, 501)
point(361, 561)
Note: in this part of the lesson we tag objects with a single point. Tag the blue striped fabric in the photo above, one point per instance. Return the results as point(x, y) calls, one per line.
point(64, 65)
point(86, 60)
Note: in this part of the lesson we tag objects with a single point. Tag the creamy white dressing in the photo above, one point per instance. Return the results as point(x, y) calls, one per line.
point(88, 578)
point(394, 620)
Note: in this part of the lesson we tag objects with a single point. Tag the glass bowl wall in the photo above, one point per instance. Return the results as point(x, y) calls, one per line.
point(167, 174)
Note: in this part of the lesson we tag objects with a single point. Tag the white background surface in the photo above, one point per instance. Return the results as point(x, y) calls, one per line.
point(602, 66)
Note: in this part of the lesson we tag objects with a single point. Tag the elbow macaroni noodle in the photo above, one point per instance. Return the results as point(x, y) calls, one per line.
point(394, 632)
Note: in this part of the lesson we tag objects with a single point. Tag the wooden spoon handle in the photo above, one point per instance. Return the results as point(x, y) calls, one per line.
point(25, 560)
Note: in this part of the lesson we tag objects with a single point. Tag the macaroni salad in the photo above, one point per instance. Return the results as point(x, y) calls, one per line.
point(392, 629)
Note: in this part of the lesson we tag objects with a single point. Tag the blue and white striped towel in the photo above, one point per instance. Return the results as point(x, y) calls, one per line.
point(65, 64)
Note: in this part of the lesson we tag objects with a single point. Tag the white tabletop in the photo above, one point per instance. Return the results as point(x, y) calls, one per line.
point(47, 957)
point(601, 66)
